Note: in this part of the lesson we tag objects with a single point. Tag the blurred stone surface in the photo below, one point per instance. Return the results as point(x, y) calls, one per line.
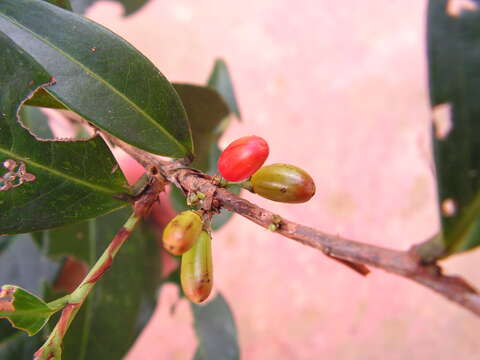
point(339, 89)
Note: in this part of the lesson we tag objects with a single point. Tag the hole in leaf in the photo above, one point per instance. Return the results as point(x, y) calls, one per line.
point(15, 176)
point(55, 125)
point(6, 299)
point(442, 120)
point(449, 208)
point(456, 7)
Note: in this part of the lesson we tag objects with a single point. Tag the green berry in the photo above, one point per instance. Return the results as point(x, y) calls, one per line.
point(181, 232)
point(196, 270)
point(283, 183)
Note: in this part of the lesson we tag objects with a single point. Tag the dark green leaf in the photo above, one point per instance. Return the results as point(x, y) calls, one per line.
point(221, 81)
point(216, 330)
point(206, 111)
point(70, 240)
point(4, 242)
point(36, 122)
point(19, 346)
point(100, 76)
point(130, 6)
point(24, 310)
point(55, 183)
point(6, 332)
point(44, 99)
point(174, 278)
point(65, 4)
point(454, 67)
point(122, 302)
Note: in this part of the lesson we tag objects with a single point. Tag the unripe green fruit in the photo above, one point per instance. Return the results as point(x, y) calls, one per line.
point(181, 232)
point(196, 270)
point(283, 183)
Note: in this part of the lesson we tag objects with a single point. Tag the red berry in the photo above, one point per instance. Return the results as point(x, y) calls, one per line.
point(242, 158)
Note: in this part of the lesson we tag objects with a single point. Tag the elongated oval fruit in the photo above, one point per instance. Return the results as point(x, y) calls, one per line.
point(181, 232)
point(196, 270)
point(283, 183)
point(242, 158)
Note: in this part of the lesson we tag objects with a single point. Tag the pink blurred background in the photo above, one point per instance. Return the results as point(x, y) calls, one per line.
point(339, 89)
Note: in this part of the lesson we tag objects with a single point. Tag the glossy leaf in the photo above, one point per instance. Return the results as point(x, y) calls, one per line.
point(58, 178)
point(130, 6)
point(454, 69)
point(100, 76)
point(122, 302)
point(221, 81)
point(216, 330)
point(24, 310)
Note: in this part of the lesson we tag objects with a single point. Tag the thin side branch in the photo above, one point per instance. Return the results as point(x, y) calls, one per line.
point(52, 348)
point(352, 253)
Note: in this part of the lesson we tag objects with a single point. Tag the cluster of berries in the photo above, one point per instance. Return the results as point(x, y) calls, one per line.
point(242, 160)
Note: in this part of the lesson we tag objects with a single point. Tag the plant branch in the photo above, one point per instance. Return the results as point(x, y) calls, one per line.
point(52, 348)
point(354, 254)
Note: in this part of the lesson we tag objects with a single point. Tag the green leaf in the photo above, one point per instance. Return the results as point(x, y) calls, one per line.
point(19, 346)
point(130, 6)
point(100, 76)
point(36, 122)
point(454, 69)
point(206, 111)
point(221, 81)
point(24, 310)
point(216, 330)
point(49, 183)
point(44, 99)
point(123, 301)
point(4, 242)
point(65, 4)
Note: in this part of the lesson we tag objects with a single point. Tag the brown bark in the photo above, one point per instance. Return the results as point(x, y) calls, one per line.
point(354, 254)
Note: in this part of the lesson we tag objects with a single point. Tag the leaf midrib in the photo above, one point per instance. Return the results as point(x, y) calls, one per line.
point(100, 79)
point(58, 173)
